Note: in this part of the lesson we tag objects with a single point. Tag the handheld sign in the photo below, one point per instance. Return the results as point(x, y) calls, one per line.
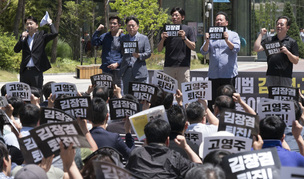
point(239, 123)
point(264, 164)
point(292, 172)
point(192, 91)
point(6, 120)
point(143, 91)
point(3, 101)
point(272, 48)
point(194, 137)
point(284, 109)
point(51, 115)
point(121, 108)
point(19, 89)
point(106, 170)
point(64, 88)
point(216, 32)
point(172, 29)
point(103, 80)
point(130, 47)
point(164, 81)
point(48, 137)
point(139, 120)
point(283, 93)
point(30, 151)
point(229, 143)
point(79, 106)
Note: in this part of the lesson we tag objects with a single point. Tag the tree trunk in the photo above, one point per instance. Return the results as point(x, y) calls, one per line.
point(57, 22)
point(18, 17)
point(2, 10)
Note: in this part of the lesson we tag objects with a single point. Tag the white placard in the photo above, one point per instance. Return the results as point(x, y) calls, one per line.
point(64, 88)
point(164, 81)
point(192, 91)
point(19, 89)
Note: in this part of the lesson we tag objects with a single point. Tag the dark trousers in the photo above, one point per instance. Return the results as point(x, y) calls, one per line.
point(32, 77)
point(216, 83)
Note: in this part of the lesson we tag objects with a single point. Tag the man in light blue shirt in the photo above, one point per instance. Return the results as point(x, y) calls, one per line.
point(223, 68)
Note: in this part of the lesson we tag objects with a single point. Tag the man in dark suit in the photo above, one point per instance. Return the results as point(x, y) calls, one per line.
point(133, 65)
point(105, 138)
point(34, 60)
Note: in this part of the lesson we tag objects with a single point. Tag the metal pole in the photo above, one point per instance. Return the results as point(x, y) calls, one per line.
point(211, 16)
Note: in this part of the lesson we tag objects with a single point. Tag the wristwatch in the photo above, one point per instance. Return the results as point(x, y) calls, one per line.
point(185, 38)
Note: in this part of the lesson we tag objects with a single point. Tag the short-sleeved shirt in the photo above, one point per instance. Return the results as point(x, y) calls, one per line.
point(177, 53)
point(279, 64)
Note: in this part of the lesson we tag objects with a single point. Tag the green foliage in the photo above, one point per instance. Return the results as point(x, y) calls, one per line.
point(266, 16)
point(151, 17)
point(9, 60)
point(293, 31)
point(63, 49)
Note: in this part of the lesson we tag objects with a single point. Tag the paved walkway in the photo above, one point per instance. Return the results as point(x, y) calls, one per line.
point(82, 84)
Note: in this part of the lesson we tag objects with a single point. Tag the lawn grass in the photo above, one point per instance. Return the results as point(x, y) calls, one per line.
point(8, 76)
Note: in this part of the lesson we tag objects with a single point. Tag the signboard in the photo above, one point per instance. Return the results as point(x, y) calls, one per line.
point(64, 88)
point(172, 29)
point(143, 91)
point(192, 91)
point(272, 48)
point(217, 32)
point(164, 81)
point(19, 89)
point(121, 108)
point(130, 47)
point(103, 80)
point(283, 93)
point(51, 115)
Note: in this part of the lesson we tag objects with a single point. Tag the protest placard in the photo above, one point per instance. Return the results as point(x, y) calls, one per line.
point(217, 32)
point(238, 123)
point(30, 151)
point(79, 106)
point(19, 89)
point(194, 90)
point(194, 137)
point(3, 101)
point(292, 172)
point(143, 91)
point(164, 81)
point(50, 115)
point(64, 88)
point(172, 29)
point(284, 109)
point(121, 108)
point(103, 80)
point(283, 93)
point(139, 120)
point(130, 47)
point(229, 143)
point(7, 120)
point(264, 164)
point(272, 48)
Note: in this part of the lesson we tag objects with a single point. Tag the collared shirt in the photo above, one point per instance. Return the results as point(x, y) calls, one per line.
point(3, 176)
point(25, 131)
point(223, 61)
point(132, 61)
point(110, 50)
point(30, 41)
point(287, 158)
point(205, 129)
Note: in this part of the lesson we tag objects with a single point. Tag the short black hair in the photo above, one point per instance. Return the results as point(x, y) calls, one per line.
point(222, 13)
point(272, 127)
point(3, 90)
point(101, 92)
point(47, 89)
point(36, 91)
point(179, 10)
point(195, 112)
point(177, 118)
point(157, 131)
point(132, 18)
point(100, 111)
point(285, 17)
point(225, 90)
point(215, 157)
point(17, 103)
point(206, 171)
point(298, 110)
point(130, 97)
point(224, 101)
point(163, 98)
point(115, 17)
point(31, 18)
point(29, 115)
point(3, 154)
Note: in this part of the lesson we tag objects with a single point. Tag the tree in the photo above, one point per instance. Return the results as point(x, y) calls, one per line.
point(293, 31)
point(4, 6)
point(150, 16)
point(300, 13)
point(57, 22)
point(19, 15)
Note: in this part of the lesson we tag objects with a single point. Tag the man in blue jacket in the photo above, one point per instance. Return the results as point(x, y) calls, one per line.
point(111, 56)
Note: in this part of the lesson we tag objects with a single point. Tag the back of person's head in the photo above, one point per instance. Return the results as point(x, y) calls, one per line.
point(298, 110)
point(163, 98)
point(215, 157)
point(206, 171)
point(195, 112)
point(101, 92)
point(177, 118)
point(225, 90)
point(168, 101)
point(31, 171)
point(47, 89)
point(3, 154)
point(157, 131)
point(130, 97)
point(17, 103)
point(272, 127)
point(224, 101)
point(3, 90)
point(29, 115)
point(36, 91)
point(100, 111)
point(179, 10)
